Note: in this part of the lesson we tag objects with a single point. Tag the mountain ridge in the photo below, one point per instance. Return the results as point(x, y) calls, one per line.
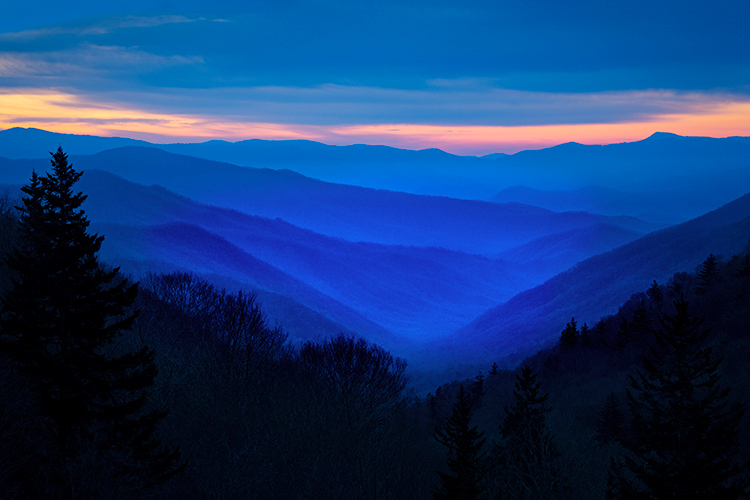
point(666, 165)
point(591, 288)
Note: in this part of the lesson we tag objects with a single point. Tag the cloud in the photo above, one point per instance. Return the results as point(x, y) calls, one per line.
point(410, 73)
point(101, 28)
point(84, 66)
point(479, 105)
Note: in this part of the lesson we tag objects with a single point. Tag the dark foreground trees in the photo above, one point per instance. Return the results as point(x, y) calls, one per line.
point(528, 462)
point(684, 431)
point(58, 324)
point(465, 481)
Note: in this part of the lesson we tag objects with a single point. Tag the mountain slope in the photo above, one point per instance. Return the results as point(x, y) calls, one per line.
point(593, 199)
point(348, 212)
point(418, 292)
point(597, 286)
point(303, 311)
point(553, 254)
point(413, 290)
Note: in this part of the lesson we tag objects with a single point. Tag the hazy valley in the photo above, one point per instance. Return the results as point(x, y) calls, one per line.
point(422, 275)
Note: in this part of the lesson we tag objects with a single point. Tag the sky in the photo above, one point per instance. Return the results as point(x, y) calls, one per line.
point(468, 77)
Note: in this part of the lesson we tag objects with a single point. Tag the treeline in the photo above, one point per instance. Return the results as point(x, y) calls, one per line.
point(174, 388)
point(647, 403)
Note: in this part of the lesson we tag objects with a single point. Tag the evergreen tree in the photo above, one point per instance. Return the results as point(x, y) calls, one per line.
point(465, 457)
point(601, 334)
point(59, 321)
point(679, 284)
point(743, 269)
point(684, 431)
point(528, 462)
point(569, 336)
point(655, 294)
point(707, 274)
point(584, 336)
point(624, 334)
point(640, 324)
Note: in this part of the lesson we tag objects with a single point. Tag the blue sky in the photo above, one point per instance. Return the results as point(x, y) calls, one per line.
point(468, 77)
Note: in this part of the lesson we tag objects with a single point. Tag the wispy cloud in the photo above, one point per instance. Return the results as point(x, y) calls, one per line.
point(337, 105)
point(76, 67)
point(471, 76)
point(101, 28)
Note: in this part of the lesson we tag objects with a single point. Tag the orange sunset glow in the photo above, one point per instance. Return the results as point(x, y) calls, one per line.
point(68, 113)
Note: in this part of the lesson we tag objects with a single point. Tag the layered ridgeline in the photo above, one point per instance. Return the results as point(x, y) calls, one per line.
point(597, 286)
point(399, 269)
point(400, 296)
point(348, 212)
point(680, 177)
point(403, 270)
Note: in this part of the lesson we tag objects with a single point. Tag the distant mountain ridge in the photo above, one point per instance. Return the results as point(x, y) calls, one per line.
point(596, 286)
point(349, 212)
point(690, 174)
point(395, 267)
point(592, 199)
point(398, 295)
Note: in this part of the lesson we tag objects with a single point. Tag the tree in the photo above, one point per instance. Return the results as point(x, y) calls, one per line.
point(363, 381)
point(464, 443)
point(528, 459)
point(624, 334)
point(601, 334)
point(585, 336)
point(707, 274)
point(569, 336)
point(684, 432)
point(655, 294)
point(59, 322)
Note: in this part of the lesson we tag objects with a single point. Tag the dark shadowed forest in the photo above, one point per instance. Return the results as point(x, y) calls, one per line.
point(172, 387)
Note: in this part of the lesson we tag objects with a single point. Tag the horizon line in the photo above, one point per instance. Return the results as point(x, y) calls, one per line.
point(228, 141)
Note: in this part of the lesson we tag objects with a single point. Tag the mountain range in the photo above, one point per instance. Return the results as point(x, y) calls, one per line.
point(440, 280)
point(690, 175)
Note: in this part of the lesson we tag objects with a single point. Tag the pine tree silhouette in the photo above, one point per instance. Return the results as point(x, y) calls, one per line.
point(528, 458)
point(59, 322)
point(707, 275)
point(601, 335)
point(569, 336)
point(684, 430)
point(465, 457)
point(655, 294)
point(584, 336)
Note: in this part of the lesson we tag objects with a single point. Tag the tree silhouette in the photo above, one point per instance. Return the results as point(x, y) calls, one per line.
point(464, 443)
point(707, 274)
point(584, 336)
point(601, 334)
point(59, 322)
point(655, 293)
point(684, 431)
point(569, 336)
point(529, 459)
